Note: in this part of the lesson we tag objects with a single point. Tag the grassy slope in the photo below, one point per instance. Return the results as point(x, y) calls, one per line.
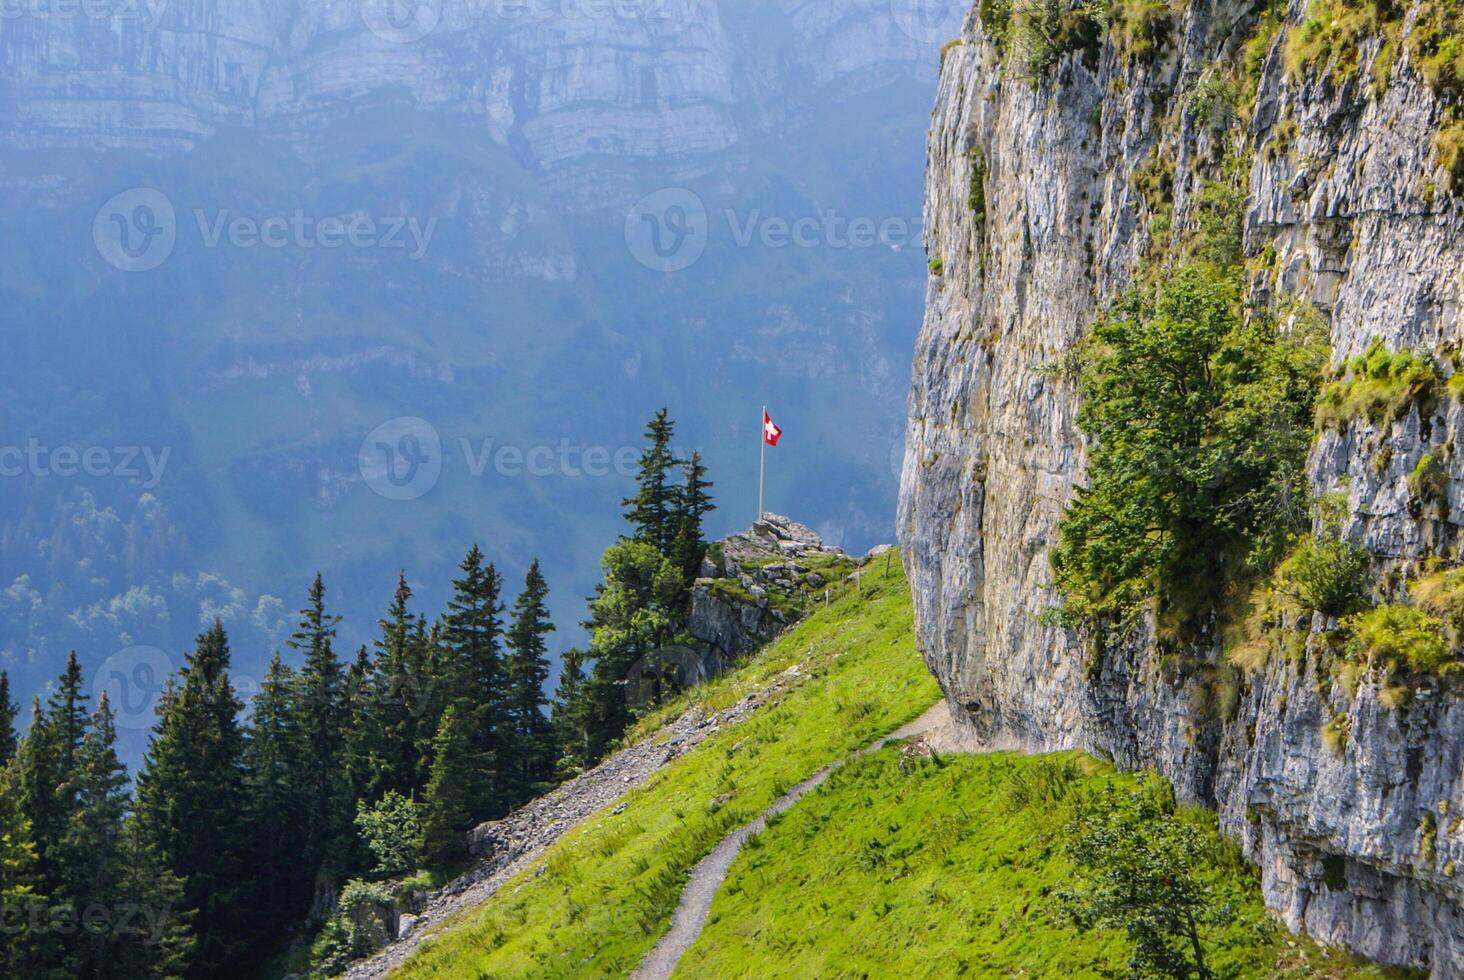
point(912, 867)
point(885, 871)
point(609, 888)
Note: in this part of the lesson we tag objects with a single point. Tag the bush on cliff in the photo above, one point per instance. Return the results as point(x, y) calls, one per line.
point(1198, 420)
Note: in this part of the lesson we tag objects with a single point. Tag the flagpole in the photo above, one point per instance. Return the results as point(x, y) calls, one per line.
point(762, 457)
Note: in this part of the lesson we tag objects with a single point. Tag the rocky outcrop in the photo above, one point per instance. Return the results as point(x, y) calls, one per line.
point(754, 585)
point(1035, 221)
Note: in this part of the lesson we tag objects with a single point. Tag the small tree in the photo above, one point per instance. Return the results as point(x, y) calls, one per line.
point(445, 813)
point(392, 831)
point(1138, 869)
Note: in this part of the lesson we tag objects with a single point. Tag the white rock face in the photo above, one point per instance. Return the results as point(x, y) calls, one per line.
point(561, 80)
point(1351, 202)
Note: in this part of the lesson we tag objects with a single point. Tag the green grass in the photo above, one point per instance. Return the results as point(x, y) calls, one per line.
point(1379, 385)
point(607, 890)
point(902, 866)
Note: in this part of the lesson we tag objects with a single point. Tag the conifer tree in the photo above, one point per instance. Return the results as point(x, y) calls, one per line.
point(570, 717)
point(358, 758)
point(160, 944)
point(652, 511)
point(472, 631)
point(275, 802)
point(531, 766)
point(20, 955)
point(693, 503)
point(445, 810)
point(38, 777)
point(8, 709)
point(319, 707)
point(191, 803)
point(90, 857)
point(395, 697)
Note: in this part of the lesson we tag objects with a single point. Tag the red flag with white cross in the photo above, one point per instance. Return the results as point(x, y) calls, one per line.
point(771, 432)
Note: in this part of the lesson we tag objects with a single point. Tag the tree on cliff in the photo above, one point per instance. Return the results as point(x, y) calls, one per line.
point(446, 810)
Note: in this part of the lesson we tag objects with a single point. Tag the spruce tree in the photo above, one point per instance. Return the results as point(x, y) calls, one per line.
point(570, 717)
point(8, 709)
point(693, 503)
point(396, 696)
point(20, 954)
point(191, 803)
point(358, 758)
point(275, 801)
point(472, 631)
point(90, 857)
point(319, 708)
point(652, 511)
point(531, 767)
point(160, 944)
point(446, 807)
point(38, 778)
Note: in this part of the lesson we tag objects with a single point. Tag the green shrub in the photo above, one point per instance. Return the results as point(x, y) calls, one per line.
point(1399, 637)
point(1327, 574)
point(1199, 425)
point(1219, 224)
point(1427, 482)
point(937, 266)
point(361, 925)
point(976, 192)
point(1442, 594)
point(1140, 28)
point(1381, 386)
point(1039, 32)
point(391, 831)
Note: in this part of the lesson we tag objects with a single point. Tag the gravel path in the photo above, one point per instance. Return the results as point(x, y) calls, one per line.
point(707, 877)
point(515, 843)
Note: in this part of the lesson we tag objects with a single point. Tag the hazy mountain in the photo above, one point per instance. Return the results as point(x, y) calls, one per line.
point(245, 240)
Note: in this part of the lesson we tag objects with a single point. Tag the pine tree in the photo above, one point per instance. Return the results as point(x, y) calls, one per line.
point(652, 511)
point(191, 803)
point(359, 760)
point(47, 771)
point(8, 709)
point(531, 767)
point(693, 502)
point(396, 697)
point(472, 631)
point(275, 802)
point(90, 856)
point(570, 717)
point(160, 943)
point(21, 954)
point(319, 714)
point(446, 808)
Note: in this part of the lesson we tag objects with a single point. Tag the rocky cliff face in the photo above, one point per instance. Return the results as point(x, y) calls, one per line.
point(1036, 218)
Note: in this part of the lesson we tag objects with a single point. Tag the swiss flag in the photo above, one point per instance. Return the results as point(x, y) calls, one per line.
point(771, 432)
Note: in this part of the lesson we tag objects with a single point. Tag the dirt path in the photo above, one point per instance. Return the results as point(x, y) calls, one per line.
point(517, 842)
point(707, 877)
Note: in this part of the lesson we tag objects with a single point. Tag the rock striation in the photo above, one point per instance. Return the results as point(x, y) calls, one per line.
point(1035, 221)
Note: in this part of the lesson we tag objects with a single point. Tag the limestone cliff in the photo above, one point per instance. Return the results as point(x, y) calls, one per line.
point(1050, 183)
